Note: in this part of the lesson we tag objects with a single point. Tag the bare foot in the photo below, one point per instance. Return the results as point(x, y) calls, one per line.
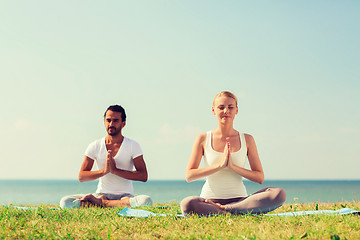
point(218, 205)
point(125, 201)
point(90, 201)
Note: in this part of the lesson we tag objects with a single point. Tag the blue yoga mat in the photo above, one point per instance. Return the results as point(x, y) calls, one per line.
point(26, 208)
point(341, 211)
point(129, 212)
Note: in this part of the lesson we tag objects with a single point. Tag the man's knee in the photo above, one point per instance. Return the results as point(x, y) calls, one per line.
point(140, 200)
point(70, 202)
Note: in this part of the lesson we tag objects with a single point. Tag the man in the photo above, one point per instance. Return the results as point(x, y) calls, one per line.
point(115, 156)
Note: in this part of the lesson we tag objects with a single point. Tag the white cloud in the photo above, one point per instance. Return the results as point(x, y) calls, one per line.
point(348, 130)
point(21, 124)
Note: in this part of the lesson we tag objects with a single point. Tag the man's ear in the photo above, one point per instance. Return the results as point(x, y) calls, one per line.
point(123, 124)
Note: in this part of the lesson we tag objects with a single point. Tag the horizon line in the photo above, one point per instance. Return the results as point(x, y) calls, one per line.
point(74, 179)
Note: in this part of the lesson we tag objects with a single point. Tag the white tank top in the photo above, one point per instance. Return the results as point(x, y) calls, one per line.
point(225, 183)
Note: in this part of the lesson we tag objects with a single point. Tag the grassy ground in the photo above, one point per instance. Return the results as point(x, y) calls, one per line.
point(97, 223)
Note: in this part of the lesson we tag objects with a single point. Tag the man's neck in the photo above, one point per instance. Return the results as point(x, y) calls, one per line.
point(114, 139)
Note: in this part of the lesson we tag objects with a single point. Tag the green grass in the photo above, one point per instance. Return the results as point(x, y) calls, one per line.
point(97, 223)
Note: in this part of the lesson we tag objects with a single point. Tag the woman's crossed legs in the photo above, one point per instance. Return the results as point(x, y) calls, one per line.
point(262, 201)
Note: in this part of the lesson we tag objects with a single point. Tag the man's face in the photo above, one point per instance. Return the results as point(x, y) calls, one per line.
point(113, 123)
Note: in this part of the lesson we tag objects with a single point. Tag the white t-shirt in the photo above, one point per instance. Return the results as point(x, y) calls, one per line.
point(111, 183)
point(225, 183)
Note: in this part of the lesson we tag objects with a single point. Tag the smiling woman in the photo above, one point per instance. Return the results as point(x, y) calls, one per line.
point(225, 151)
point(225, 106)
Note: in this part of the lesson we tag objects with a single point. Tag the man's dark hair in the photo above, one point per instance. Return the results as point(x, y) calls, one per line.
point(117, 108)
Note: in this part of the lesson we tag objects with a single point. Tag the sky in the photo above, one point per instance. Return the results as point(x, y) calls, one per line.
point(294, 66)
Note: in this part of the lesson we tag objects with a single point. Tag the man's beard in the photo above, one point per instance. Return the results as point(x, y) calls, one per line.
point(114, 133)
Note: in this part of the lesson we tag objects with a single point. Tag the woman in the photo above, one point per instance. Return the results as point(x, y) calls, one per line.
point(225, 150)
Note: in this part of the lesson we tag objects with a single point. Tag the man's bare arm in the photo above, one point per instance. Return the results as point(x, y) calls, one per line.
point(140, 174)
point(86, 174)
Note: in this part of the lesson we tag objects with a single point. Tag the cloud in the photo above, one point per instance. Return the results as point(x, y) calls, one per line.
point(170, 135)
point(22, 124)
point(348, 130)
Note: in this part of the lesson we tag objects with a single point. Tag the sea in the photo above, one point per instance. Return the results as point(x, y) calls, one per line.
point(37, 192)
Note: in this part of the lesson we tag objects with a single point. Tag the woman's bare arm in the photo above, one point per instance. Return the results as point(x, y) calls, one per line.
point(193, 172)
point(256, 174)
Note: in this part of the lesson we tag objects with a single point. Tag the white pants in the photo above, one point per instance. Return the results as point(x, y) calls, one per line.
point(73, 201)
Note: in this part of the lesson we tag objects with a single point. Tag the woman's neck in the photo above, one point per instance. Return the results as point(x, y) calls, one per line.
point(225, 130)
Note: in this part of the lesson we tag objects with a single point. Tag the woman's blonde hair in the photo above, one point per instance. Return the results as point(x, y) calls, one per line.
point(226, 94)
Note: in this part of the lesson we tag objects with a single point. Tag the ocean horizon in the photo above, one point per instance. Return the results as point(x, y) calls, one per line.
point(39, 191)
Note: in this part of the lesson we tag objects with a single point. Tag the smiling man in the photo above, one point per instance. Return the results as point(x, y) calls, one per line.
point(116, 157)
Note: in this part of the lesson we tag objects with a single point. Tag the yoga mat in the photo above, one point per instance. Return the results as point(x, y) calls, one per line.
point(341, 211)
point(129, 212)
point(27, 208)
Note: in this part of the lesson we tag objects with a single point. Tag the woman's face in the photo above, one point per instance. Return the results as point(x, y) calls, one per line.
point(225, 108)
